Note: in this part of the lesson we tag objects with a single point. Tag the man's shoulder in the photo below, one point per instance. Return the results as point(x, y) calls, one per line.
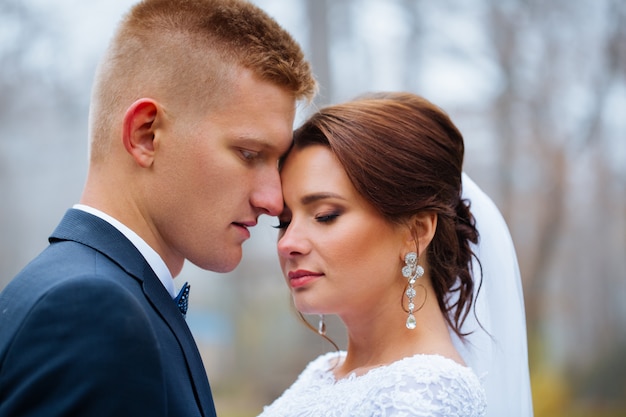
point(66, 274)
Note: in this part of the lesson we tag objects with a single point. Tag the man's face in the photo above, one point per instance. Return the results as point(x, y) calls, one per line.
point(216, 172)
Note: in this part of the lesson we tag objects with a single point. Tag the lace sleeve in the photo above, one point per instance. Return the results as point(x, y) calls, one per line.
point(419, 386)
point(446, 391)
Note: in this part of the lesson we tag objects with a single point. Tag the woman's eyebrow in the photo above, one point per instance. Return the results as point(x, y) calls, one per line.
point(312, 198)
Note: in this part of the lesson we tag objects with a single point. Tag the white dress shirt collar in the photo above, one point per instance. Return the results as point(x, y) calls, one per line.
point(152, 257)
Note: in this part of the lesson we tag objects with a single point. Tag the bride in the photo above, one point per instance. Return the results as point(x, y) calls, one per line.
point(380, 228)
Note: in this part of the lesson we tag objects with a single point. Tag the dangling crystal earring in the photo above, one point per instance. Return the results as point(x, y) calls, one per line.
point(412, 271)
point(321, 326)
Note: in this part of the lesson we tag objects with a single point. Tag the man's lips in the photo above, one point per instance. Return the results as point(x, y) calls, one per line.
point(244, 226)
point(302, 277)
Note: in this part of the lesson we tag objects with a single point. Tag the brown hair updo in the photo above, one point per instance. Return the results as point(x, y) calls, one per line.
point(404, 155)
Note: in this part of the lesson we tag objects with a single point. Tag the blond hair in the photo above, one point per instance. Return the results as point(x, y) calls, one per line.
point(186, 51)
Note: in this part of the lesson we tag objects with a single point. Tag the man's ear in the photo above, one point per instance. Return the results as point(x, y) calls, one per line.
point(138, 134)
point(421, 230)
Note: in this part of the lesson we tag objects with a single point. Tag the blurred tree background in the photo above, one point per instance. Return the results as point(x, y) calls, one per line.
point(538, 89)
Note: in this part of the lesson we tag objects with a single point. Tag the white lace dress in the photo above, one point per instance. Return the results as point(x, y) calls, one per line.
point(421, 385)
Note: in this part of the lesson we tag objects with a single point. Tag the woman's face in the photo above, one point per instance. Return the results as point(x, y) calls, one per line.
point(337, 253)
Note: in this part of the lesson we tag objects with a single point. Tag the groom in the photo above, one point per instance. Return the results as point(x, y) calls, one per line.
point(193, 104)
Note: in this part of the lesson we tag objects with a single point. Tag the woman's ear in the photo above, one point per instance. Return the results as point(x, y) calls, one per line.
point(138, 135)
point(421, 230)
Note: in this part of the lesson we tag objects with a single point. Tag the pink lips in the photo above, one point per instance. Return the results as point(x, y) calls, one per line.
point(301, 278)
point(244, 227)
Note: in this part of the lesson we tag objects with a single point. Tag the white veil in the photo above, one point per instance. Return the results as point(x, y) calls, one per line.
point(500, 360)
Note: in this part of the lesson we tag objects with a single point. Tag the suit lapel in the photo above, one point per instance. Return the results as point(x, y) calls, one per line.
point(95, 232)
point(163, 303)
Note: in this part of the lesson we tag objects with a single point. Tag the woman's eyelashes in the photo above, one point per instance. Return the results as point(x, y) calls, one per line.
point(321, 215)
point(326, 218)
point(320, 218)
point(282, 224)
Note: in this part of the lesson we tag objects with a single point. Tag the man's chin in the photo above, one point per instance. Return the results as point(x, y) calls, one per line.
point(223, 264)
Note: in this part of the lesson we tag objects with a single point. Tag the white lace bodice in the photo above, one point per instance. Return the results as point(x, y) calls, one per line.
point(421, 385)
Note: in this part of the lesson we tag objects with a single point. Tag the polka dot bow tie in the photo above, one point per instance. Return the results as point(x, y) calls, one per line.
point(182, 299)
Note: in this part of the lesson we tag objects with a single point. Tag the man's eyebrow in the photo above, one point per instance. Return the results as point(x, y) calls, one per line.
point(312, 198)
point(256, 142)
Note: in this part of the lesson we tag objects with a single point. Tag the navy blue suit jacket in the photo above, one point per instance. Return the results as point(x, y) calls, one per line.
point(87, 329)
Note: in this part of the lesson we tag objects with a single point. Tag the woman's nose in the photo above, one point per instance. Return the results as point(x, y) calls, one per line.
point(291, 242)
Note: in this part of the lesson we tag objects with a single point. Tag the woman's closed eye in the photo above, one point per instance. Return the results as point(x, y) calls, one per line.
point(326, 218)
point(282, 224)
